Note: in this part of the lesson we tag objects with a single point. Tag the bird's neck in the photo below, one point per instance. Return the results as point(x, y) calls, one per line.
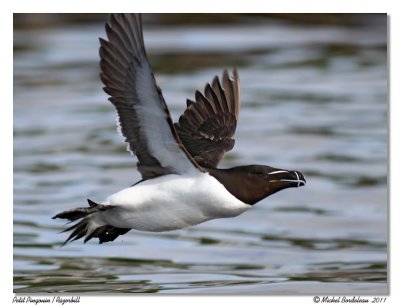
point(241, 184)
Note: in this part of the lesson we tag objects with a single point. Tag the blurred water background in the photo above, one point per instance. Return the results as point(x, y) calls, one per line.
point(314, 98)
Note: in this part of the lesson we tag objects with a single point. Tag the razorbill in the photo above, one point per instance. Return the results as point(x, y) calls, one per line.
point(181, 185)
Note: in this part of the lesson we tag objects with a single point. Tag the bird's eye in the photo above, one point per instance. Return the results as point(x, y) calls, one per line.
point(260, 173)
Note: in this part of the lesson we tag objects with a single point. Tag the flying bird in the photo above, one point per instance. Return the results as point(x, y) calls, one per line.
point(181, 185)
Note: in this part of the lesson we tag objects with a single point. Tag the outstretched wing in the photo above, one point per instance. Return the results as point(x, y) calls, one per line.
point(144, 118)
point(207, 126)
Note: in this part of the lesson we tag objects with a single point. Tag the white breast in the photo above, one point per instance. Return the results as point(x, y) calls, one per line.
point(172, 202)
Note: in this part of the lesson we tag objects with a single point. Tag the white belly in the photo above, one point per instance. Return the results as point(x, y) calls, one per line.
point(172, 202)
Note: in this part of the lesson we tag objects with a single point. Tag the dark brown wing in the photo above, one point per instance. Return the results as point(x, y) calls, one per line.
point(143, 115)
point(207, 126)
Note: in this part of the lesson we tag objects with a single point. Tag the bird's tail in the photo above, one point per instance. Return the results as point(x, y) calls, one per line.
point(90, 226)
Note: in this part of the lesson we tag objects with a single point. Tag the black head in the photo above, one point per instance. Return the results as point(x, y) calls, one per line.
point(253, 183)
